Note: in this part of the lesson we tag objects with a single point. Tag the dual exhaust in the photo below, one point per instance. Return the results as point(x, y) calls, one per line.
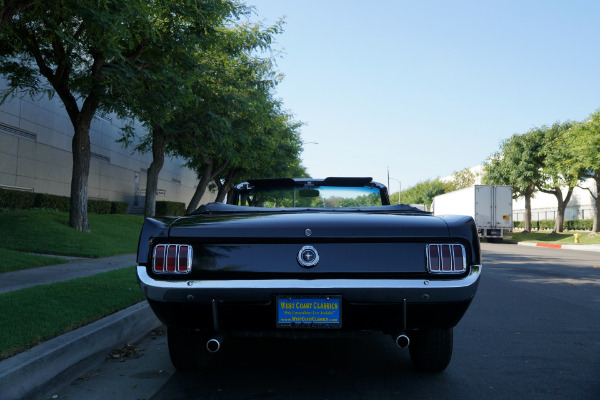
point(213, 345)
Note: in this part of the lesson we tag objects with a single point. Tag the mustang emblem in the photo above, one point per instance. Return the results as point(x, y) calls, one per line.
point(308, 257)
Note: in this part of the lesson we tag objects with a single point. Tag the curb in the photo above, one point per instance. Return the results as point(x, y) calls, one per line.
point(562, 246)
point(59, 361)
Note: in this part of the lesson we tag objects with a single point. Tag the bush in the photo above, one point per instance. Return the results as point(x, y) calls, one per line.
point(118, 207)
point(52, 201)
point(170, 208)
point(99, 206)
point(580, 224)
point(17, 200)
point(518, 224)
point(575, 225)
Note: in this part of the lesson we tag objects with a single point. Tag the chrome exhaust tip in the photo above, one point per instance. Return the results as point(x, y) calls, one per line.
point(213, 345)
point(402, 341)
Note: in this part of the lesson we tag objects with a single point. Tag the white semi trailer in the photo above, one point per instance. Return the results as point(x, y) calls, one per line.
point(490, 206)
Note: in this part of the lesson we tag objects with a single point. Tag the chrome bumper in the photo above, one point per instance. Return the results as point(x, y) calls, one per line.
point(353, 290)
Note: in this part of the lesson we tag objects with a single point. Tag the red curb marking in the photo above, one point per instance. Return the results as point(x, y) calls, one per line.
point(554, 246)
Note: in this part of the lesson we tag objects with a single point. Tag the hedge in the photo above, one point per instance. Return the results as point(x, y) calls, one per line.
point(20, 200)
point(170, 208)
point(118, 207)
point(574, 225)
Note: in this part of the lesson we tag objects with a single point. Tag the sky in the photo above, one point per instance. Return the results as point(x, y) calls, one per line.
point(424, 88)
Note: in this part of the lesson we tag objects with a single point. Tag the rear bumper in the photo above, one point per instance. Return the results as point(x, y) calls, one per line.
point(373, 304)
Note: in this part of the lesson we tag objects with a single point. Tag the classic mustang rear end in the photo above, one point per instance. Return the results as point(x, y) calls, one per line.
point(309, 257)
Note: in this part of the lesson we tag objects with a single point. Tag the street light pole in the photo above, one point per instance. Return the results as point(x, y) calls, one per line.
point(399, 190)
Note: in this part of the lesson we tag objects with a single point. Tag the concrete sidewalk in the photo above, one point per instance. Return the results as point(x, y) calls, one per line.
point(55, 363)
point(75, 268)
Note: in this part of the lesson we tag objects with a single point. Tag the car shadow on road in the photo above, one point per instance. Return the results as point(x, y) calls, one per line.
point(352, 368)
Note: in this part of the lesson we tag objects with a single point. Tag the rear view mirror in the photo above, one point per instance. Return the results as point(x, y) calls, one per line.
point(308, 193)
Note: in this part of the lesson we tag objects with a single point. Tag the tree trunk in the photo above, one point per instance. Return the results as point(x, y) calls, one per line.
point(225, 187)
point(562, 206)
point(78, 215)
point(201, 188)
point(208, 174)
point(528, 193)
point(158, 160)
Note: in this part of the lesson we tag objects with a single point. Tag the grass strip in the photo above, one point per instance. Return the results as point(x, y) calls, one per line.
point(34, 315)
point(48, 232)
point(15, 260)
point(556, 238)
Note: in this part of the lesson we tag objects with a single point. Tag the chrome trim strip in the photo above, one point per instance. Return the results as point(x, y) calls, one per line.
point(469, 280)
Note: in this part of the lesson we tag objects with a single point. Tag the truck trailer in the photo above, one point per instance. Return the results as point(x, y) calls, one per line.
point(489, 205)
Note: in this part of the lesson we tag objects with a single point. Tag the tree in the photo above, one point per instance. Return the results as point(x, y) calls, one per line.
point(461, 179)
point(273, 152)
point(584, 139)
point(87, 51)
point(10, 8)
point(560, 168)
point(190, 116)
point(424, 192)
point(518, 164)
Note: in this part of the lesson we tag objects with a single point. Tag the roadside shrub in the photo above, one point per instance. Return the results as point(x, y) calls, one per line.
point(99, 206)
point(118, 207)
point(170, 208)
point(20, 200)
point(518, 224)
point(575, 225)
point(580, 224)
point(52, 201)
point(16, 199)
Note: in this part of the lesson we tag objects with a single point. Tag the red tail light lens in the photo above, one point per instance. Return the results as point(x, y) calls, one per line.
point(446, 258)
point(459, 258)
point(434, 258)
point(184, 262)
point(172, 259)
point(159, 258)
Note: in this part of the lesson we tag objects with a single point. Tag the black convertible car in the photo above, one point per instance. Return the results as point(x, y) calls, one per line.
point(309, 258)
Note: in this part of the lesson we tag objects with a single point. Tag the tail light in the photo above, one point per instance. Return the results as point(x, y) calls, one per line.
point(446, 258)
point(172, 259)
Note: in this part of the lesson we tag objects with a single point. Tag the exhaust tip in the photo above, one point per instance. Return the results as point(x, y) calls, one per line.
point(402, 341)
point(213, 345)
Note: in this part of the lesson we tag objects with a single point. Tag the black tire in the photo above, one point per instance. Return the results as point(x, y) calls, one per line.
point(187, 349)
point(431, 349)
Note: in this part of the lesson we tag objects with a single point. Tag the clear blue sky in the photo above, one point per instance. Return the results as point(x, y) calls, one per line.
point(425, 87)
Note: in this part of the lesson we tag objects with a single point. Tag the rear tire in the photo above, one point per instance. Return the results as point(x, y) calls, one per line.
point(187, 349)
point(431, 349)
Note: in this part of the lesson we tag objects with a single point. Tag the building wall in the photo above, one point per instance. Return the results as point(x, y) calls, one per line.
point(35, 154)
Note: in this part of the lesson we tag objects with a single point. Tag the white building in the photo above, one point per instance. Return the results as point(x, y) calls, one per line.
point(545, 206)
point(35, 155)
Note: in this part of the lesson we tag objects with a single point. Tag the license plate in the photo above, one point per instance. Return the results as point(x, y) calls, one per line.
point(316, 312)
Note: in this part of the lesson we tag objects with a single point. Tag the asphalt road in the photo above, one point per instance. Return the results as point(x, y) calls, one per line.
point(532, 332)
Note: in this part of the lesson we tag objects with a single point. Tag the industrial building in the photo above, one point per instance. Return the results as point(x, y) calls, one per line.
point(35, 155)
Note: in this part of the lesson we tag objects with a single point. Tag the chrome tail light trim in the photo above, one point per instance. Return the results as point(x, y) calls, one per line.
point(446, 258)
point(175, 259)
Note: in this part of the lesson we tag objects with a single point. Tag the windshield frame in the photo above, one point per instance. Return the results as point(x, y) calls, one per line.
point(366, 185)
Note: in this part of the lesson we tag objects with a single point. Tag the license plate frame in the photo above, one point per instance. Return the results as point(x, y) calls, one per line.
point(309, 311)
